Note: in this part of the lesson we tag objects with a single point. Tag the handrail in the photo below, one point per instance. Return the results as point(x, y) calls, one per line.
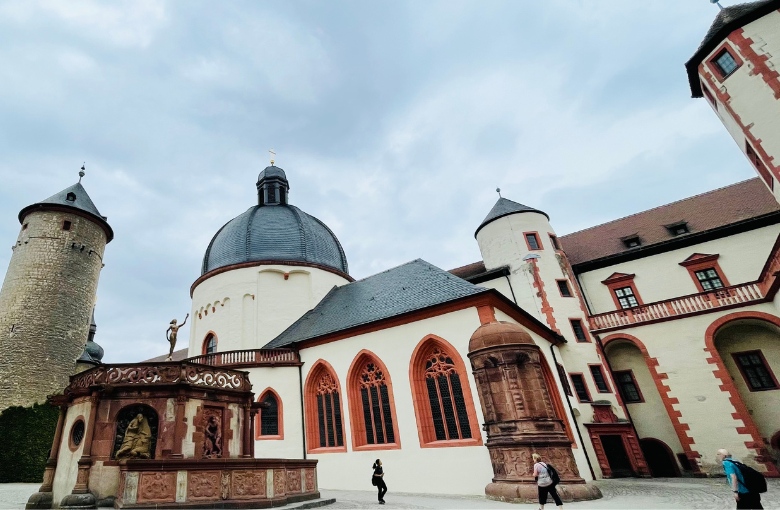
point(248, 357)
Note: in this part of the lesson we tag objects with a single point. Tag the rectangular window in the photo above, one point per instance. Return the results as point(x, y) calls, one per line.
point(627, 387)
point(533, 241)
point(598, 378)
point(563, 286)
point(579, 330)
point(554, 242)
point(709, 279)
point(626, 297)
point(580, 388)
point(678, 229)
point(632, 242)
point(760, 168)
point(564, 379)
point(726, 63)
point(755, 370)
point(709, 96)
point(66, 225)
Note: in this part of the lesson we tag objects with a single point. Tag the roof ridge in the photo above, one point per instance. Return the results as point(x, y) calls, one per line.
point(660, 206)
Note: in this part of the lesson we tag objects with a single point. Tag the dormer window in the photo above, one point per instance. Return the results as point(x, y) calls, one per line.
point(70, 197)
point(678, 229)
point(632, 242)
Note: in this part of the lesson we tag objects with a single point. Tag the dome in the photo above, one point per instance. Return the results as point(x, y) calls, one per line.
point(496, 334)
point(274, 231)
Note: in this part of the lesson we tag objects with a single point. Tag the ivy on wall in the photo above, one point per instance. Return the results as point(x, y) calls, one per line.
point(27, 434)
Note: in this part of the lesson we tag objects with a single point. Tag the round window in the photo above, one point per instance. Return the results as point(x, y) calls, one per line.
point(77, 433)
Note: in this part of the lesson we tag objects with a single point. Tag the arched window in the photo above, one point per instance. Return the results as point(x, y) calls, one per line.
point(269, 423)
point(210, 344)
point(371, 405)
point(324, 423)
point(442, 397)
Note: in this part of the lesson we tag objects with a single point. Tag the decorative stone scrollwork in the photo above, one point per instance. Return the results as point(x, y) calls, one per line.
point(143, 374)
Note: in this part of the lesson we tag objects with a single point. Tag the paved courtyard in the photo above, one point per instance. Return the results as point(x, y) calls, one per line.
point(618, 494)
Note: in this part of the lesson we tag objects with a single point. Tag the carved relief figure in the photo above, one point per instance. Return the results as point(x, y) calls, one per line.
point(212, 434)
point(171, 333)
point(137, 440)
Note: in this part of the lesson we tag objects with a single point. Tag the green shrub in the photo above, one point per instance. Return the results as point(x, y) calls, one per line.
point(27, 434)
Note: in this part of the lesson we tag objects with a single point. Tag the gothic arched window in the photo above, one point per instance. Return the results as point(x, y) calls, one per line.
point(371, 406)
point(442, 397)
point(210, 344)
point(324, 423)
point(269, 423)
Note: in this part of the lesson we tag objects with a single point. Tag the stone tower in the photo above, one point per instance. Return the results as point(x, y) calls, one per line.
point(48, 295)
point(736, 70)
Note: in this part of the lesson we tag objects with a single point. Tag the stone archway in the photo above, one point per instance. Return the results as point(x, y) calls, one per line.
point(659, 458)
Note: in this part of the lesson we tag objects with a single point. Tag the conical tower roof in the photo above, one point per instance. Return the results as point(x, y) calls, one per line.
point(505, 207)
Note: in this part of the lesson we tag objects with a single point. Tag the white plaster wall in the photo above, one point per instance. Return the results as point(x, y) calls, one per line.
point(67, 461)
point(190, 411)
point(500, 284)
point(285, 382)
point(103, 480)
point(234, 448)
point(660, 277)
point(247, 307)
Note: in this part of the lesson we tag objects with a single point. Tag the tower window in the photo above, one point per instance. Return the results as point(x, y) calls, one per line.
point(598, 378)
point(709, 279)
point(628, 388)
point(564, 380)
point(626, 297)
point(709, 96)
point(563, 286)
point(578, 381)
point(579, 331)
point(726, 63)
point(24, 227)
point(632, 242)
point(554, 241)
point(66, 225)
point(210, 344)
point(755, 370)
point(532, 239)
point(70, 197)
point(271, 191)
point(762, 171)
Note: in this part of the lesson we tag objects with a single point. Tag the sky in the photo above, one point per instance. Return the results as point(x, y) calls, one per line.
point(394, 121)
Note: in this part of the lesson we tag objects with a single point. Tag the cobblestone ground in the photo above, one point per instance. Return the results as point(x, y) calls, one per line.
point(629, 494)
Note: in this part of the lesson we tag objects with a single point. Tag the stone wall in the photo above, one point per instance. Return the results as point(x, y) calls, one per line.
point(46, 303)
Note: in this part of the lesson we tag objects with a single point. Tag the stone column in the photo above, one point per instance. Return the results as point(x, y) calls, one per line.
point(520, 416)
point(252, 433)
point(44, 498)
point(246, 451)
point(180, 429)
point(81, 497)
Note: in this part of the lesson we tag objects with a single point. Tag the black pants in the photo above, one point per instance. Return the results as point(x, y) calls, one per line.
point(381, 487)
point(749, 500)
point(550, 489)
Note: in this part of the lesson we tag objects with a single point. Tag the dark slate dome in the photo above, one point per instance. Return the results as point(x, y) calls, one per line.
point(274, 231)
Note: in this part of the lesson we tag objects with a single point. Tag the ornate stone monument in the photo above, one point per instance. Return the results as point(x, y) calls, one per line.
point(521, 415)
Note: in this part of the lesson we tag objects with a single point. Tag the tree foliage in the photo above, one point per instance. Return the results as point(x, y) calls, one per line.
point(27, 434)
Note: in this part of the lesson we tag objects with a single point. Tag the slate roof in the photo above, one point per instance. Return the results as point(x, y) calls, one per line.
point(724, 206)
point(406, 288)
point(505, 207)
point(80, 201)
point(728, 19)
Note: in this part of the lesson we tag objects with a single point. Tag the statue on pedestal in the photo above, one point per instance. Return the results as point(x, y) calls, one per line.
point(171, 334)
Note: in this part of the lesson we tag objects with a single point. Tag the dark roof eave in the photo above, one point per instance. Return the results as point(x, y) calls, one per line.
point(508, 214)
point(102, 223)
point(488, 275)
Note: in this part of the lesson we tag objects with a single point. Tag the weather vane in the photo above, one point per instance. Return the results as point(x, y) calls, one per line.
point(81, 172)
point(717, 2)
point(498, 190)
point(273, 155)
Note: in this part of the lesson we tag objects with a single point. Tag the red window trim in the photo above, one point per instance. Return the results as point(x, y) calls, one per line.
point(618, 281)
point(584, 383)
point(633, 378)
point(709, 95)
point(422, 411)
point(759, 165)
point(584, 330)
point(357, 423)
point(766, 365)
point(603, 375)
point(538, 241)
point(713, 66)
point(568, 285)
point(699, 261)
point(206, 341)
point(310, 409)
point(280, 417)
point(562, 375)
point(554, 239)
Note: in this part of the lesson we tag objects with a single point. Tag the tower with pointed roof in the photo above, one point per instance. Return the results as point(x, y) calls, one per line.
point(48, 294)
point(736, 69)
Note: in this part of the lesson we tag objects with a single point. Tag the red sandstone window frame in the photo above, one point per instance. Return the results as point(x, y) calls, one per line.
point(555, 395)
point(619, 281)
point(538, 241)
point(759, 165)
point(766, 366)
point(555, 242)
point(710, 97)
point(311, 417)
point(422, 408)
point(568, 287)
point(620, 388)
point(584, 330)
point(356, 419)
point(564, 379)
point(279, 417)
point(73, 447)
point(584, 384)
point(205, 343)
point(603, 376)
point(700, 262)
point(715, 67)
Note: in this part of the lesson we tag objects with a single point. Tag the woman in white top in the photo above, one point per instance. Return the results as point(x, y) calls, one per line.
point(545, 482)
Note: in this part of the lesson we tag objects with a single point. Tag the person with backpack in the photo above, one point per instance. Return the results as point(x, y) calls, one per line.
point(746, 483)
point(377, 480)
point(546, 479)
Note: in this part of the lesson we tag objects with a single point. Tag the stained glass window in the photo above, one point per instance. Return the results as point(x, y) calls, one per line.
point(329, 412)
point(269, 417)
point(445, 395)
point(375, 399)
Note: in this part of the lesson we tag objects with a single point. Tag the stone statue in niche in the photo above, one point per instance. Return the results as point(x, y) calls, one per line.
point(171, 333)
point(212, 434)
point(137, 441)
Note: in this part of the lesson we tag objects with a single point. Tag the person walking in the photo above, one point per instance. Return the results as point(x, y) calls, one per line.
point(744, 498)
point(544, 482)
point(378, 480)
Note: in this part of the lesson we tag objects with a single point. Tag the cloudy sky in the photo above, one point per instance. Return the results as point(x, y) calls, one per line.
point(395, 122)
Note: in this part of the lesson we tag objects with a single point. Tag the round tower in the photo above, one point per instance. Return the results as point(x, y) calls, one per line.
point(48, 294)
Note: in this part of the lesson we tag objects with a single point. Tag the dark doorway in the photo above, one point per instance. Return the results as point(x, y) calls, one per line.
point(616, 456)
point(659, 458)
